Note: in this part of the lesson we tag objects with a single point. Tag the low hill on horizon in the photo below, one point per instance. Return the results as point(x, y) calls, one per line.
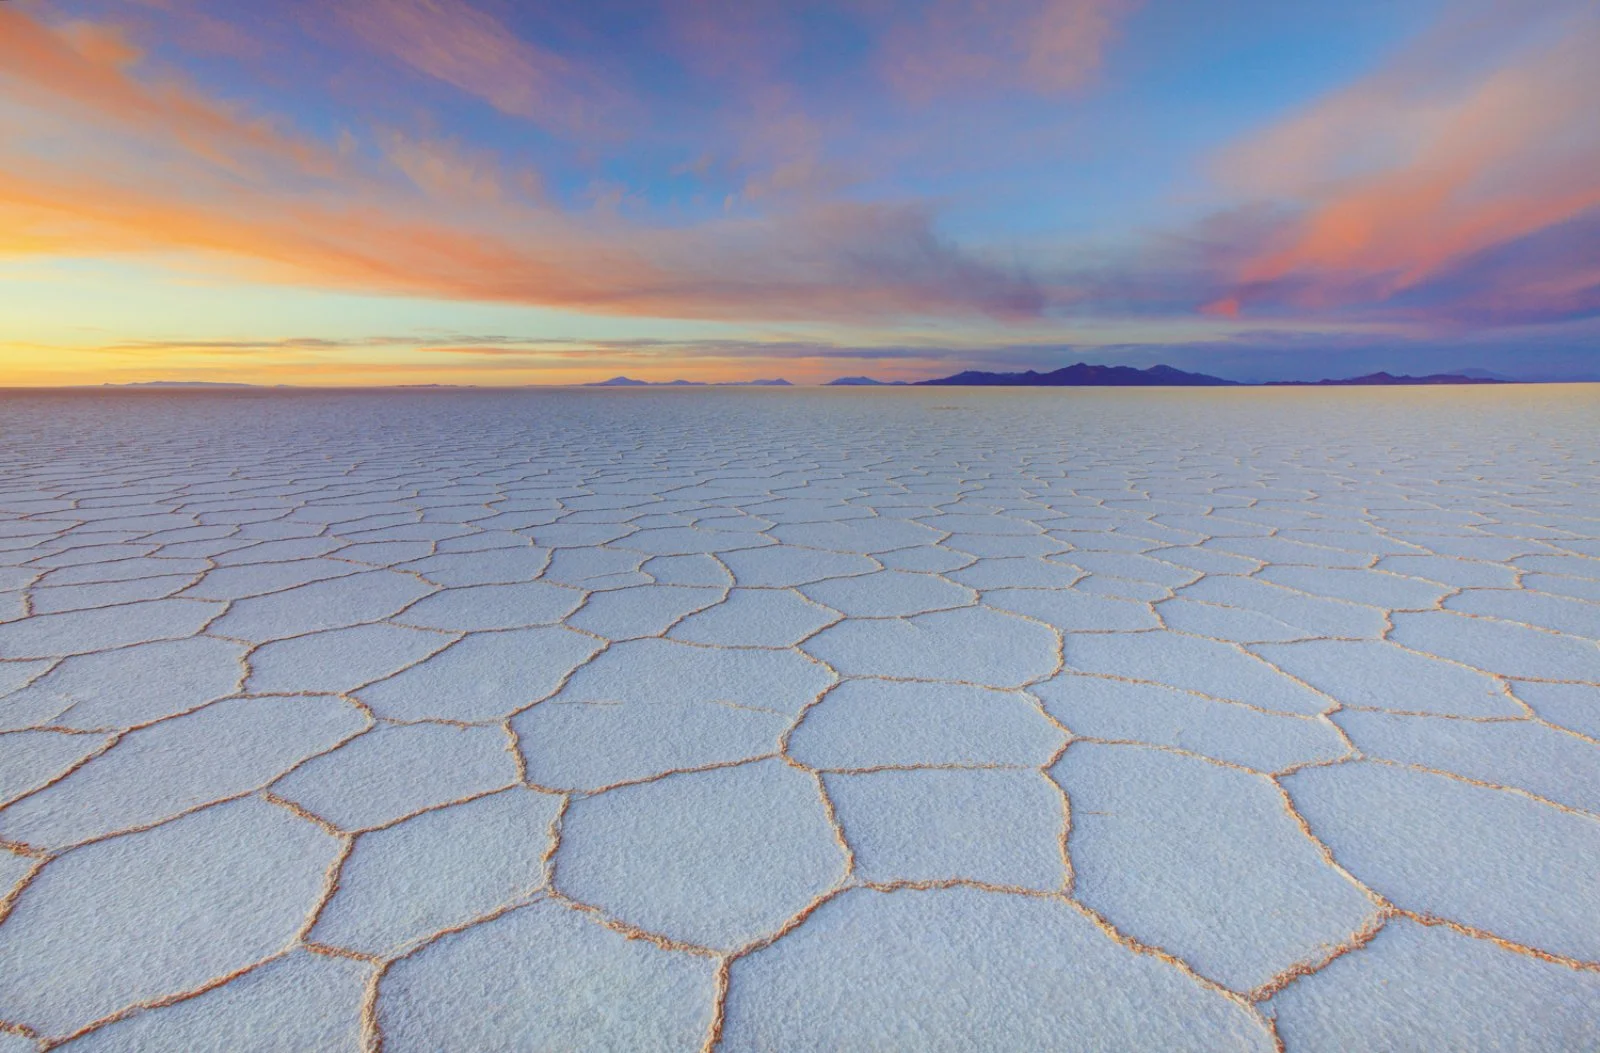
point(1380, 379)
point(1081, 374)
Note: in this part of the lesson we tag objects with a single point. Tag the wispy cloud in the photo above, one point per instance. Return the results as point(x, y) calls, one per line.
point(472, 50)
point(1046, 46)
point(181, 173)
point(913, 181)
point(81, 72)
point(453, 173)
point(1423, 178)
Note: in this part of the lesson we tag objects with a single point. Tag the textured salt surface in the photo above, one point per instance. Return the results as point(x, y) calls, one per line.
point(802, 720)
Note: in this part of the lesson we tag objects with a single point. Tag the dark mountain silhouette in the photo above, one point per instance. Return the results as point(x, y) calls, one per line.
point(1380, 379)
point(863, 382)
point(1084, 375)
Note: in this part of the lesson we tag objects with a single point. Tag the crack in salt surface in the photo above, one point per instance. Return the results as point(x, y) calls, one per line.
point(592, 498)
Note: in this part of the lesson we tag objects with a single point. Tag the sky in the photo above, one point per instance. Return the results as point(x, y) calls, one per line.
point(500, 192)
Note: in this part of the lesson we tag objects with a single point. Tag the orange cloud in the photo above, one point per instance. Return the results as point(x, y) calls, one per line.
point(1402, 180)
point(81, 71)
point(129, 167)
point(1047, 46)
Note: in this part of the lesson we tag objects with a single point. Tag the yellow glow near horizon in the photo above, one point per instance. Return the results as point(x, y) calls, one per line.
point(135, 320)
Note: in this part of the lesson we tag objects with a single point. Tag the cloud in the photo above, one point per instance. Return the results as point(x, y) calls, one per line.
point(1552, 274)
point(1482, 137)
point(1459, 187)
point(471, 50)
point(1045, 46)
point(104, 161)
point(841, 261)
point(82, 71)
point(448, 171)
point(741, 41)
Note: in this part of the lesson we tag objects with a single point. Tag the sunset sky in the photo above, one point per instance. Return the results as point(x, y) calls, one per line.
point(505, 192)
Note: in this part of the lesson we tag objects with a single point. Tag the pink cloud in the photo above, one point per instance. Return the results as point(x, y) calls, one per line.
point(129, 166)
point(1404, 177)
point(1046, 46)
point(469, 49)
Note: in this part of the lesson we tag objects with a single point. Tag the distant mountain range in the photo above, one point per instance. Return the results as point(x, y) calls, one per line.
point(1080, 374)
point(629, 382)
point(1390, 378)
point(1083, 375)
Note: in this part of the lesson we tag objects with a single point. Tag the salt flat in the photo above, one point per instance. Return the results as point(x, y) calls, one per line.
point(815, 720)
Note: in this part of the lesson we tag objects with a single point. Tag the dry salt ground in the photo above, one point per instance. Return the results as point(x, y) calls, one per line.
point(800, 720)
